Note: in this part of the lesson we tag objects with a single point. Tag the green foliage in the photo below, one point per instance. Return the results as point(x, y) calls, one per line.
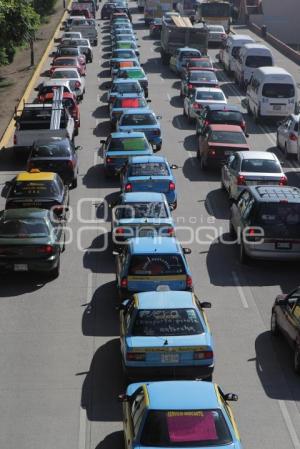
point(43, 7)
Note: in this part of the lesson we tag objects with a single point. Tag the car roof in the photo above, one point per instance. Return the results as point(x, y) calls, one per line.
point(188, 49)
point(145, 159)
point(122, 80)
point(125, 135)
point(24, 212)
point(39, 176)
point(223, 107)
point(164, 299)
point(257, 155)
point(156, 245)
point(209, 89)
point(275, 70)
point(276, 194)
point(224, 127)
point(182, 395)
point(148, 197)
point(139, 111)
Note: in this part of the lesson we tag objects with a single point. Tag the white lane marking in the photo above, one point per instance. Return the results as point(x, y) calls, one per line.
point(289, 424)
point(168, 96)
point(82, 428)
point(240, 290)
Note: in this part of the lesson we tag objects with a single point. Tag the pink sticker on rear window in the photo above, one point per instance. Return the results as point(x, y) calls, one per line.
point(191, 426)
point(130, 103)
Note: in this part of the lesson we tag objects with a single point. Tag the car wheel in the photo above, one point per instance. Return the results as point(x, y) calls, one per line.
point(74, 183)
point(208, 379)
point(244, 259)
point(55, 273)
point(274, 325)
point(297, 361)
point(158, 147)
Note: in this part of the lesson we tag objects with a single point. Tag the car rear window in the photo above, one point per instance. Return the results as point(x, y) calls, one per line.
point(69, 51)
point(166, 322)
point(148, 169)
point(37, 189)
point(280, 214)
point(260, 165)
point(209, 96)
point(58, 74)
point(67, 61)
point(277, 90)
point(51, 150)
point(227, 137)
point(189, 54)
point(258, 61)
point(142, 210)
point(123, 54)
point(138, 120)
point(202, 76)
point(22, 228)
point(178, 428)
point(225, 117)
point(156, 265)
point(128, 144)
point(200, 64)
point(126, 88)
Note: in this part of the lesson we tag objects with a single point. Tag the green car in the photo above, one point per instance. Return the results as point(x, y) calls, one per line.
point(135, 73)
point(30, 240)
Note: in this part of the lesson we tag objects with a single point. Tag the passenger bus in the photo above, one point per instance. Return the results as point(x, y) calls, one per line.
point(214, 12)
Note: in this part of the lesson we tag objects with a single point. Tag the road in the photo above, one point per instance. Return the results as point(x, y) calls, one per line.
point(60, 370)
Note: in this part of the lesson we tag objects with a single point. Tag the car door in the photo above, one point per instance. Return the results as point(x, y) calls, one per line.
point(134, 411)
point(238, 208)
point(226, 171)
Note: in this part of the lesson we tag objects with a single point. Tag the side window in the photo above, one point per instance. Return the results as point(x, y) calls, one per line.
point(234, 163)
point(137, 409)
point(248, 208)
point(296, 310)
point(241, 204)
point(128, 314)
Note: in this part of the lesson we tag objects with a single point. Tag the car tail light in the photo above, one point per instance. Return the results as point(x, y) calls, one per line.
point(15, 139)
point(156, 132)
point(293, 137)
point(283, 181)
point(45, 249)
point(243, 125)
point(190, 86)
point(206, 123)
point(120, 231)
point(128, 187)
point(135, 356)
point(124, 282)
point(200, 355)
point(241, 180)
point(171, 232)
point(108, 160)
point(196, 106)
point(71, 164)
point(77, 84)
point(189, 281)
point(212, 152)
point(171, 185)
point(58, 209)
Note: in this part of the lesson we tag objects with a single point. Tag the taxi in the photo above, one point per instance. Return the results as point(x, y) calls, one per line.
point(134, 73)
point(182, 413)
point(141, 214)
point(119, 146)
point(146, 263)
point(150, 174)
point(122, 63)
point(182, 55)
point(165, 334)
point(124, 86)
point(143, 120)
point(126, 45)
point(38, 189)
point(122, 53)
point(122, 37)
point(123, 102)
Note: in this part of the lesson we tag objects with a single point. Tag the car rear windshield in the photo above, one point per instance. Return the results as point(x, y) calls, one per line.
point(126, 88)
point(23, 228)
point(138, 120)
point(258, 61)
point(156, 265)
point(148, 169)
point(58, 74)
point(260, 165)
point(37, 189)
point(225, 117)
point(69, 51)
point(166, 322)
point(210, 96)
point(277, 90)
point(142, 210)
point(51, 150)
point(189, 54)
point(227, 137)
point(190, 428)
point(215, 28)
point(281, 218)
point(202, 76)
point(200, 64)
point(129, 144)
point(125, 103)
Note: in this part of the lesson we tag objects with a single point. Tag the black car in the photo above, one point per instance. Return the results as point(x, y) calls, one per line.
point(55, 155)
point(285, 320)
point(219, 114)
point(107, 9)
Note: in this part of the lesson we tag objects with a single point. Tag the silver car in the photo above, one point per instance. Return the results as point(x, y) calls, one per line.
point(216, 34)
point(288, 136)
point(245, 168)
point(201, 97)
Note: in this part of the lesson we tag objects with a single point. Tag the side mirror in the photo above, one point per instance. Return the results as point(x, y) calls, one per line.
point(159, 117)
point(78, 148)
point(8, 183)
point(116, 253)
point(279, 123)
point(148, 101)
point(174, 166)
point(36, 89)
point(186, 250)
point(205, 305)
point(156, 150)
point(247, 134)
point(102, 141)
point(231, 397)
point(123, 397)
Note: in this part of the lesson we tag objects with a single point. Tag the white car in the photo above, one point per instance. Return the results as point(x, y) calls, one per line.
point(201, 97)
point(288, 137)
point(77, 82)
point(216, 34)
point(71, 35)
point(246, 168)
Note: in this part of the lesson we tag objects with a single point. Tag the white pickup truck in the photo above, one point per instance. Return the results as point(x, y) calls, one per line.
point(41, 120)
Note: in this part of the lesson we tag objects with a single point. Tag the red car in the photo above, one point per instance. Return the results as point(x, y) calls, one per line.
point(218, 143)
point(69, 103)
point(81, 11)
point(68, 61)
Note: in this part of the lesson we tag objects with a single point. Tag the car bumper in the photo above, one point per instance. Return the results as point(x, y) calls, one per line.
point(281, 255)
point(44, 265)
point(167, 372)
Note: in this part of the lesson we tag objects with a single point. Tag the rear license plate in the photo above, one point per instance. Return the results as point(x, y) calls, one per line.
point(146, 232)
point(283, 245)
point(169, 358)
point(276, 107)
point(20, 267)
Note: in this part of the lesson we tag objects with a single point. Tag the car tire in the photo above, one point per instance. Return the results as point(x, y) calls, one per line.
point(74, 183)
point(274, 325)
point(209, 378)
point(158, 147)
point(244, 259)
point(55, 273)
point(297, 360)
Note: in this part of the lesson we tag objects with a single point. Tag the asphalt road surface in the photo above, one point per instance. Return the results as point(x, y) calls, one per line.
point(60, 366)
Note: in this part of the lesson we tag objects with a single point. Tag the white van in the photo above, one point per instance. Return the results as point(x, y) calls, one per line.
point(229, 51)
point(249, 58)
point(271, 92)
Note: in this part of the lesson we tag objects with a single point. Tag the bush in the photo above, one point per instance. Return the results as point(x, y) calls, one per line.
point(44, 7)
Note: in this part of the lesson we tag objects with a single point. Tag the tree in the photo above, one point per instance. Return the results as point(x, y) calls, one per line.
point(43, 7)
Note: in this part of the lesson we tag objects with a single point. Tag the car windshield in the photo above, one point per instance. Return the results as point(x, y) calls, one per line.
point(142, 210)
point(166, 322)
point(156, 265)
point(258, 61)
point(202, 75)
point(126, 88)
point(227, 137)
point(178, 428)
point(125, 103)
point(138, 120)
point(148, 169)
point(260, 165)
point(51, 150)
point(210, 96)
point(65, 74)
point(128, 144)
point(22, 228)
point(278, 90)
point(38, 189)
point(225, 117)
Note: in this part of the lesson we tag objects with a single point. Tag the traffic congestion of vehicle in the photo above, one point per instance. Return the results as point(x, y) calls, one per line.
point(155, 202)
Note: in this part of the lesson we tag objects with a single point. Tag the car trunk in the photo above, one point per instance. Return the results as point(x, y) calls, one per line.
point(261, 178)
point(154, 184)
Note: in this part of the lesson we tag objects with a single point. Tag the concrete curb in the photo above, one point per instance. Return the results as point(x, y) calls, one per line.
point(10, 128)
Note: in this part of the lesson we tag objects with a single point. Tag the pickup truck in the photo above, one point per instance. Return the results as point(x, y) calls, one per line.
point(178, 32)
point(41, 120)
point(87, 28)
